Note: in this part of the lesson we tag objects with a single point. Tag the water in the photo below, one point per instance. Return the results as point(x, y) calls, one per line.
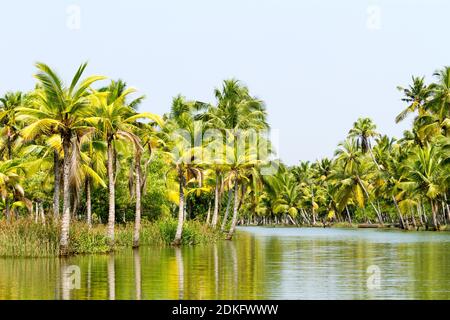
point(261, 263)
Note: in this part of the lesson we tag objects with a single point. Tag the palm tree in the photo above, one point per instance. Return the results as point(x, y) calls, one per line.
point(115, 119)
point(180, 133)
point(440, 92)
point(363, 131)
point(91, 168)
point(236, 111)
point(425, 174)
point(284, 189)
point(415, 96)
point(305, 176)
point(11, 191)
point(9, 104)
point(353, 175)
point(57, 109)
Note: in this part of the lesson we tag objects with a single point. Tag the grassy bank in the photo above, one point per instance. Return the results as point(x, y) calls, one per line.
point(25, 238)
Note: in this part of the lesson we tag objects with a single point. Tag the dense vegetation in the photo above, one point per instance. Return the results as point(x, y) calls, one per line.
point(82, 155)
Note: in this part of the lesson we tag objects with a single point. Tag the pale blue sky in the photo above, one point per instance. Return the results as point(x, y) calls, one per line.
point(316, 64)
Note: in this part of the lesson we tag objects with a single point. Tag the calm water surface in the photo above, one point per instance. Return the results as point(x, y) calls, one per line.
point(261, 263)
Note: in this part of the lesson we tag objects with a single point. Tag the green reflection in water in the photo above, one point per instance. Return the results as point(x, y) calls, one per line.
point(262, 263)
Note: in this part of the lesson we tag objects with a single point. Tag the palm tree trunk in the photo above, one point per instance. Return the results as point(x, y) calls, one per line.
point(57, 174)
point(208, 217)
point(312, 207)
point(177, 240)
point(216, 203)
point(111, 187)
point(88, 203)
point(9, 147)
point(447, 207)
point(433, 211)
point(227, 210)
point(42, 215)
point(348, 214)
point(36, 216)
point(402, 222)
point(137, 222)
point(419, 213)
point(65, 223)
point(235, 210)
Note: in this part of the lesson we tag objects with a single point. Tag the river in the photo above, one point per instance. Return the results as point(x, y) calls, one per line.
point(260, 263)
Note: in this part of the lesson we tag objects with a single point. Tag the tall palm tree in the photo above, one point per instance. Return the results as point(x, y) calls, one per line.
point(57, 109)
point(115, 119)
point(236, 111)
point(416, 95)
point(91, 168)
point(181, 130)
point(363, 131)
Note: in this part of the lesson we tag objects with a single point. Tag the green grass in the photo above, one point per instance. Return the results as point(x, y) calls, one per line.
point(25, 238)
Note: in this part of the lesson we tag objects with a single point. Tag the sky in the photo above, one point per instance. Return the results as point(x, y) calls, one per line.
point(318, 65)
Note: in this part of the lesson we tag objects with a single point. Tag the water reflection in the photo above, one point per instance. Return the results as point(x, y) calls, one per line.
point(111, 278)
point(137, 274)
point(180, 271)
point(261, 263)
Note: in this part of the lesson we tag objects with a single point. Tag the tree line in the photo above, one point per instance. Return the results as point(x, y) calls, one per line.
point(69, 151)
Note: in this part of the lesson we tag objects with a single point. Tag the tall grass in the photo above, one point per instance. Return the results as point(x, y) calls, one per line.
point(25, 238)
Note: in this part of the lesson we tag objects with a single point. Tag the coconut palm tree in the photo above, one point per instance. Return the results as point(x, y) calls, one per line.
point(115, 119)
point(236, 111)
point(425, 173)
point(180, 133)
point(11, 191)
point(305, 176)
point(91, 168)
point(416, 95)
point(363, 131)
point(57, 109)
point(9, 105)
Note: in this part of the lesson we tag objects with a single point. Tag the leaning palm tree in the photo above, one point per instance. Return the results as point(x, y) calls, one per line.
point(57, 109)
point(236, 112)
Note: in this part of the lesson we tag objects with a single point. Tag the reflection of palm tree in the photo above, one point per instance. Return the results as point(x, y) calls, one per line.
point(111, 278)
point(89, 277)
point(234, 262)
point(65, 280)
point(137, 274)
point(216, 269)
point(180, 267)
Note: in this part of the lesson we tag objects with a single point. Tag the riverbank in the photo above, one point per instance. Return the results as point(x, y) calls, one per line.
point(353, 225)
point(25, 238)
